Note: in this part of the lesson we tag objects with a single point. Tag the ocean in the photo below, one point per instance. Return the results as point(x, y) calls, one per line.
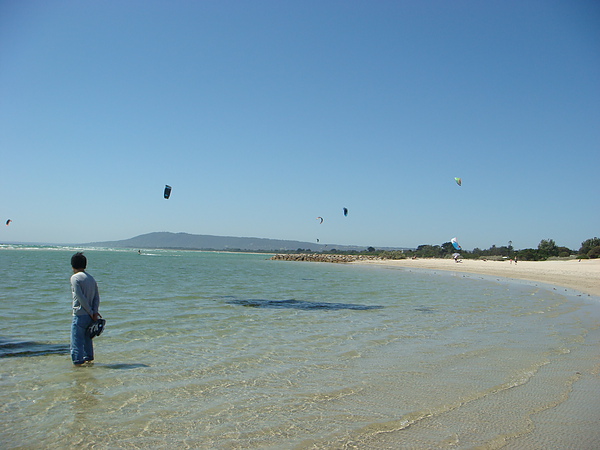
point(235, 351)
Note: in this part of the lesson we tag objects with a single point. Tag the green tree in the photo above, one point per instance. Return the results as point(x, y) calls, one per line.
point(448, 248)
point(529, 254)
point(547, 248)
point(594, 253)
point(588, 245)
point(429, 251)
point(395, 254)
point(564, 252)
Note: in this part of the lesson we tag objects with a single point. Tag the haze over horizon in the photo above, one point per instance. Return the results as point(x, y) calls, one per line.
point(265, 115)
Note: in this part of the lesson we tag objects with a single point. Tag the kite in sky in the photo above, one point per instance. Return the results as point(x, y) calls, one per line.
point(345, 211)
point(458, 181)
point(320, 219)
point(8, 222)
point(455, 244)
point(167, 191)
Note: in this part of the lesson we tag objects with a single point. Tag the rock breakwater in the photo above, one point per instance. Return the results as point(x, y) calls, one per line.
point(329, 258)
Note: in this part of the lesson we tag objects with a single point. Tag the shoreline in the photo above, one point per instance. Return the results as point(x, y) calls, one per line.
point(582, 276)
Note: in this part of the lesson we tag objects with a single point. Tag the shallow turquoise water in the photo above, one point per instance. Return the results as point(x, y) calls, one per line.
point(218, 350)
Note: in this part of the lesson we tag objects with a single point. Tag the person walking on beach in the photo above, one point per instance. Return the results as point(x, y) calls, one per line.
point(86, 301)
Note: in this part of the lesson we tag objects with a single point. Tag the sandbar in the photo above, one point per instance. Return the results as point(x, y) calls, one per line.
point(580, 275)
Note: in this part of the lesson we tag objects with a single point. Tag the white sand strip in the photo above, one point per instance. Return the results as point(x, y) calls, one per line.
point(583, 276)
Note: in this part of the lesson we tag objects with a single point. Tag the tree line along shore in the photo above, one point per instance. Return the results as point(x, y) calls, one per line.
point(547, 249)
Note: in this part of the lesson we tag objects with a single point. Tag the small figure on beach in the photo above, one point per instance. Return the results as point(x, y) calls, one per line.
point(86, 301)
point(515, 260)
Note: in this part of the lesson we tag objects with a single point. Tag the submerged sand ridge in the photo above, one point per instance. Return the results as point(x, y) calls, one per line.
point(581, 275)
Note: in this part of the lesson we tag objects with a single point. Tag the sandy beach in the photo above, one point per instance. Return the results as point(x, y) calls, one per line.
point(583, 276)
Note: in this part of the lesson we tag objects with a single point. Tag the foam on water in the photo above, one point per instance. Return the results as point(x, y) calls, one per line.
point(209, 350)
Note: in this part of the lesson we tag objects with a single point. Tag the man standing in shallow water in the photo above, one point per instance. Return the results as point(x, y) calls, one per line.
point(86, 301)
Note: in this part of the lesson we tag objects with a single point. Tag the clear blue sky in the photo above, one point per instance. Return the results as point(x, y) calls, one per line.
point(263, 115)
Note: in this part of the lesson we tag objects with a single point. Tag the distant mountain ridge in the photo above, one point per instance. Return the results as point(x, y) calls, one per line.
point(168, 240)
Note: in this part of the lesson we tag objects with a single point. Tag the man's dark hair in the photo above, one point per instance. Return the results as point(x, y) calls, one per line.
point(78, 261)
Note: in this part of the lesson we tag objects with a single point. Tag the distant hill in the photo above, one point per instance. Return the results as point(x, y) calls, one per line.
point(187, 241)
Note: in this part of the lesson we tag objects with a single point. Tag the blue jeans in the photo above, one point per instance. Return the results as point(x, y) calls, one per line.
point(82, 349)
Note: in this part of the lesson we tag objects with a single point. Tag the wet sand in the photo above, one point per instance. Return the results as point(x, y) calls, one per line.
point(583, 276)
